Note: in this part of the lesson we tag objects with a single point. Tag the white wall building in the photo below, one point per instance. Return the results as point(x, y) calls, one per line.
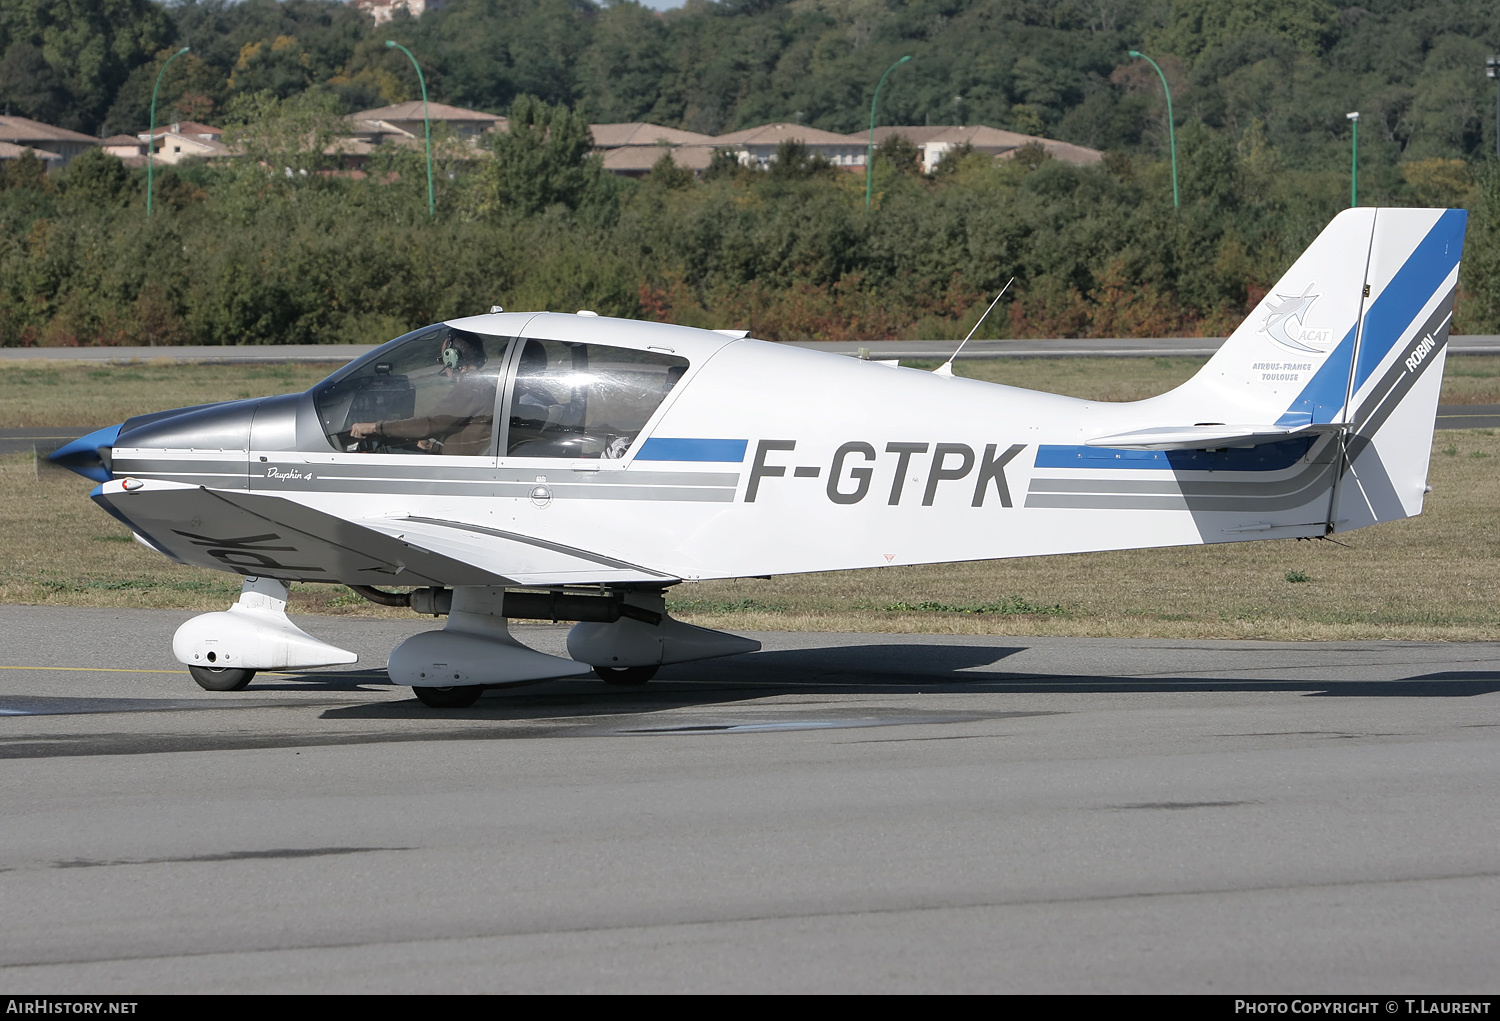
point(384, 10)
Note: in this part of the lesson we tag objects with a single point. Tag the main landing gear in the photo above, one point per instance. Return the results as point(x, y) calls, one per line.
point(628, 638)
point(634, 675)
point(449, 698)
point(622, 637)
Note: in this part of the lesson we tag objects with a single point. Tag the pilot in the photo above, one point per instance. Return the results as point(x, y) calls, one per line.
point(465, 416)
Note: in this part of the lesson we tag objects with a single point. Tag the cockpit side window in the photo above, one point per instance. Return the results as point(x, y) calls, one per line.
point(585, 400)
point(433, 394)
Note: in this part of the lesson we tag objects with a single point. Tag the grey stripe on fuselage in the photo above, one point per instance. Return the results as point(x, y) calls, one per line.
point(426, 479)
point(423, 470)
point(1311, 485)
point(506, 490)
point(1253, 491)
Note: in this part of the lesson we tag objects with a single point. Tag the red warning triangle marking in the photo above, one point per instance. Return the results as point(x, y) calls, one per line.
point(889, 557)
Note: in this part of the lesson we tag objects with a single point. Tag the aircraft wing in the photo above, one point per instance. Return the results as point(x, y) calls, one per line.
point(1206, 437)
point(259, 534)
point(525, 560)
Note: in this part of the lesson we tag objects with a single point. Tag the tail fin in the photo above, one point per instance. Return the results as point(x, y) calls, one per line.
point(1351, 341)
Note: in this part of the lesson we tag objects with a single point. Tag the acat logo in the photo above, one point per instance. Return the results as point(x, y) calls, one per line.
point(1285, 323)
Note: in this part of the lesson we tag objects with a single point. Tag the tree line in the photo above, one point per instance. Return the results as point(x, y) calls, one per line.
point(273, 250)
point(1059, 68)
point(276, 247)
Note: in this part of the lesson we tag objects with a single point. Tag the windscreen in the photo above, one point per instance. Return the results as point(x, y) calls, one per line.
point(432, 394)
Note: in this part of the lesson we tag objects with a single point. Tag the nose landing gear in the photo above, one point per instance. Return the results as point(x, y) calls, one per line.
point(221, 678)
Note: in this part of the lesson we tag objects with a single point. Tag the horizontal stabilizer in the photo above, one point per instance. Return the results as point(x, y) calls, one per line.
point(1205, 437)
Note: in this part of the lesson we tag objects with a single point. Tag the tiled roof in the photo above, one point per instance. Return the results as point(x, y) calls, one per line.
point(412, 111)
point(629, 159)
point(984, 138)
point(610, 136)
point(23, 129)
point(10, 151)
point(187, 129)
point(775, 134)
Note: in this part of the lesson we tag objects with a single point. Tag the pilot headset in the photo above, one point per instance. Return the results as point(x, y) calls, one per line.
point(451, 357)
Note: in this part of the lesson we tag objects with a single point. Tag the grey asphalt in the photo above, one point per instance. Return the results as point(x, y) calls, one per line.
point(837, 813)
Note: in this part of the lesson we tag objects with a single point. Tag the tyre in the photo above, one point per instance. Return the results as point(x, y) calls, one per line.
point(449, 698)
point(626, 674)
point(222, 678)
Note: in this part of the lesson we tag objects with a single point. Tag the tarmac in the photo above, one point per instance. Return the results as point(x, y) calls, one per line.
point(837, 813)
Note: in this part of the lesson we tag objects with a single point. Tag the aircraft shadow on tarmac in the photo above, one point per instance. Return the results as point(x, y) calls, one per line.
point(872, 669)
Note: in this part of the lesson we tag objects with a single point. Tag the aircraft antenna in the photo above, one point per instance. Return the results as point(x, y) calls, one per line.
point(946, 369)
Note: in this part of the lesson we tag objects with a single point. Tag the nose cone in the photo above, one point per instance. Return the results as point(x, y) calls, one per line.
point(88, 455)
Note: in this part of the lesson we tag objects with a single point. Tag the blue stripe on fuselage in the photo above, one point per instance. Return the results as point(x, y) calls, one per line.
point(660, 448)
point(1264, 458)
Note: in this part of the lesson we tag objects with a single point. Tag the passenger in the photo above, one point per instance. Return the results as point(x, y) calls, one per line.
point(466, 414)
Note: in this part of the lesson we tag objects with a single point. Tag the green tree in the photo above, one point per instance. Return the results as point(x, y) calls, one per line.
point(289, 135)
point(88, 48)
point(94, 180)
point(1194, 26)
point(191, 89)
point(901, 153)
point(542, 160)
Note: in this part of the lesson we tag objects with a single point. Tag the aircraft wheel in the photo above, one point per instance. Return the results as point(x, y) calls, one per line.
point(626, 674)
point(221, 678)
point(460, 697)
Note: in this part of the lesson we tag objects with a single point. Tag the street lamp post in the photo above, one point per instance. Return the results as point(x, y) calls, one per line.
point(426, 124)
point(151, 145)
point(1354, 160)
point(1171, 129)
point(870, 153)
point(1492, 68)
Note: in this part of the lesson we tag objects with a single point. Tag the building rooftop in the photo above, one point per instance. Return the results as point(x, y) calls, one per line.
point(997, 141)
point(10, 151)
point(775, 134)
point(24, 129)
point(188, 129)
point(412, 111)
point(640, 133)
point(639, 159)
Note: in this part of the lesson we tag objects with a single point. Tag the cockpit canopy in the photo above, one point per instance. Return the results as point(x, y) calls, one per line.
point(443, 390)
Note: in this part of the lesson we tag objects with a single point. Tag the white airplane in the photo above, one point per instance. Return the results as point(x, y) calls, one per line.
point(573, 467)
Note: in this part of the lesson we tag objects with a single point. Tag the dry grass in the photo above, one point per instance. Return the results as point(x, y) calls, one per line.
point(89, 395)
point(1468, 379)
point(1431, 577)
point(1428, 578)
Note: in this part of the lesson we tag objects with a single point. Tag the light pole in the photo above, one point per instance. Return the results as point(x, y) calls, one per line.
point(1171, 129)
point(1492, 68)
point(870, 153)
point(1354, 161)
point(426, 124)
point(151, 145)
